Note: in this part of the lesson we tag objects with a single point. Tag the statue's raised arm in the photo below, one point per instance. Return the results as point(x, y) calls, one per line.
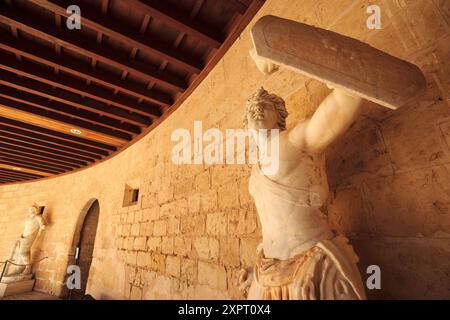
point(332, 118)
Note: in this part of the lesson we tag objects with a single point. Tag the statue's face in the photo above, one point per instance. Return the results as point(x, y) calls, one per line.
point(262, 115)
point(32, 211)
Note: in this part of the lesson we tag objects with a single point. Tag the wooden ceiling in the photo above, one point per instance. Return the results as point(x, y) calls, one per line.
point(72, 98)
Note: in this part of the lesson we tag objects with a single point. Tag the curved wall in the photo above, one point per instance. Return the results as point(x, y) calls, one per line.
point(195, 226)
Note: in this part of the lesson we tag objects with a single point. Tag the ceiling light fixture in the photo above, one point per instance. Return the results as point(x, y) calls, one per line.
point(75, 131)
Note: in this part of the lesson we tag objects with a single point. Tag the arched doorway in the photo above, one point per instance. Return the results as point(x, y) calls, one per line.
point(83, 244)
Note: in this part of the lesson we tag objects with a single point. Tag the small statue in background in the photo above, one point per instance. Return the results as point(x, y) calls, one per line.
point(34, 223)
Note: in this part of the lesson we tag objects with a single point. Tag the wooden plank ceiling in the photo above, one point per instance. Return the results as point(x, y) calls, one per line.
point(71, 98)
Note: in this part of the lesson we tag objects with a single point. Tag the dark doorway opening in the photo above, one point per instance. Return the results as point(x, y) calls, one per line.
point(85, 248)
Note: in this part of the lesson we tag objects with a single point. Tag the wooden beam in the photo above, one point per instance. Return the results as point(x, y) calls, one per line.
point(53, 140)
point(35, 87)
point(48, 57)
point(172, 18)
point(75, 121)
point(33, 146)
point(35, 72)
point(121, 32)
point(64, 109)
point(4, 180)
point(108, 112)
point(9, 178)
point(38, 161)
point(237, 6)
point(14, 175)
point(34, 161)
point(4, 175)
point(5, 145)
point(232, 36)
point(47, 83)
point(197, 6)
point(7, 174)
point(19, 173)
point(14, 178)
point(68, 39)
point(144, 25)
point(44, 159)
point(24, 164)
point(65, 138)
point(11, 167)
point(67, 110)
point(11, 111)
point(38, 143)
point(30, 149)
point(105, 4)
point(30, 163)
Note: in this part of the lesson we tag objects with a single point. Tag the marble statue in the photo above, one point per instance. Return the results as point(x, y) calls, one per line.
point(34, 223)
point(300, 256)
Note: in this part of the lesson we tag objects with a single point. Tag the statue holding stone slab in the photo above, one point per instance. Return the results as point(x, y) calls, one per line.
point(300, 256)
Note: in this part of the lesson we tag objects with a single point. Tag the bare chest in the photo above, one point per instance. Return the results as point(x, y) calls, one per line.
point(300, 171)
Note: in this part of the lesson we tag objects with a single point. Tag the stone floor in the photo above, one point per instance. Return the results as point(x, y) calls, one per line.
point(33, 295)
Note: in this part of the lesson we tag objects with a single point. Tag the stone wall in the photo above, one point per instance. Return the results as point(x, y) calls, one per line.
point(195, 226)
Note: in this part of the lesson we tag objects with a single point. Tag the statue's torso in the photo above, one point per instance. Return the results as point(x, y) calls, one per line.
point(31, 226)
point(289, 203)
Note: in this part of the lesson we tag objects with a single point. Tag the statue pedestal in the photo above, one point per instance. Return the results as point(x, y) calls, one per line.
point(10, 286)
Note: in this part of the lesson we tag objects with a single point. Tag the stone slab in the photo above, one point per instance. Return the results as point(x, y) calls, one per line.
point(32, 295)
point(10, 279)
point(340, 61)
point(7, 289)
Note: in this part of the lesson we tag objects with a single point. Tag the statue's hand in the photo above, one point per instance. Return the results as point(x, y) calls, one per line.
point(245, 279)
point(265, 66)
point(342, 92)
point(330, 86)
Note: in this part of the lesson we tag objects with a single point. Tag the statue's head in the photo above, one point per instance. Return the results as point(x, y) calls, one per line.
point(265, 111)
point(34, 210)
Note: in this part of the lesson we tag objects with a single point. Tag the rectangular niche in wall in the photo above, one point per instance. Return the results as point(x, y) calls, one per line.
point(131, 196)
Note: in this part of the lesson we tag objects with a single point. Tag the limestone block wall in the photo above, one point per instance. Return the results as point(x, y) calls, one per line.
point(194, 226)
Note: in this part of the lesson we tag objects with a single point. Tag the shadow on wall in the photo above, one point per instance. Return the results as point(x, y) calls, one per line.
point(390, 189)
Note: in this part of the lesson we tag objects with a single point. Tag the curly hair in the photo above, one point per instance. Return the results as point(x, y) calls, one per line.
point(36, 208)
point(276, 101)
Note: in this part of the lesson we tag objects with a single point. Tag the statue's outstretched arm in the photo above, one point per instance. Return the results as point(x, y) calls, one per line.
point(334, 115)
